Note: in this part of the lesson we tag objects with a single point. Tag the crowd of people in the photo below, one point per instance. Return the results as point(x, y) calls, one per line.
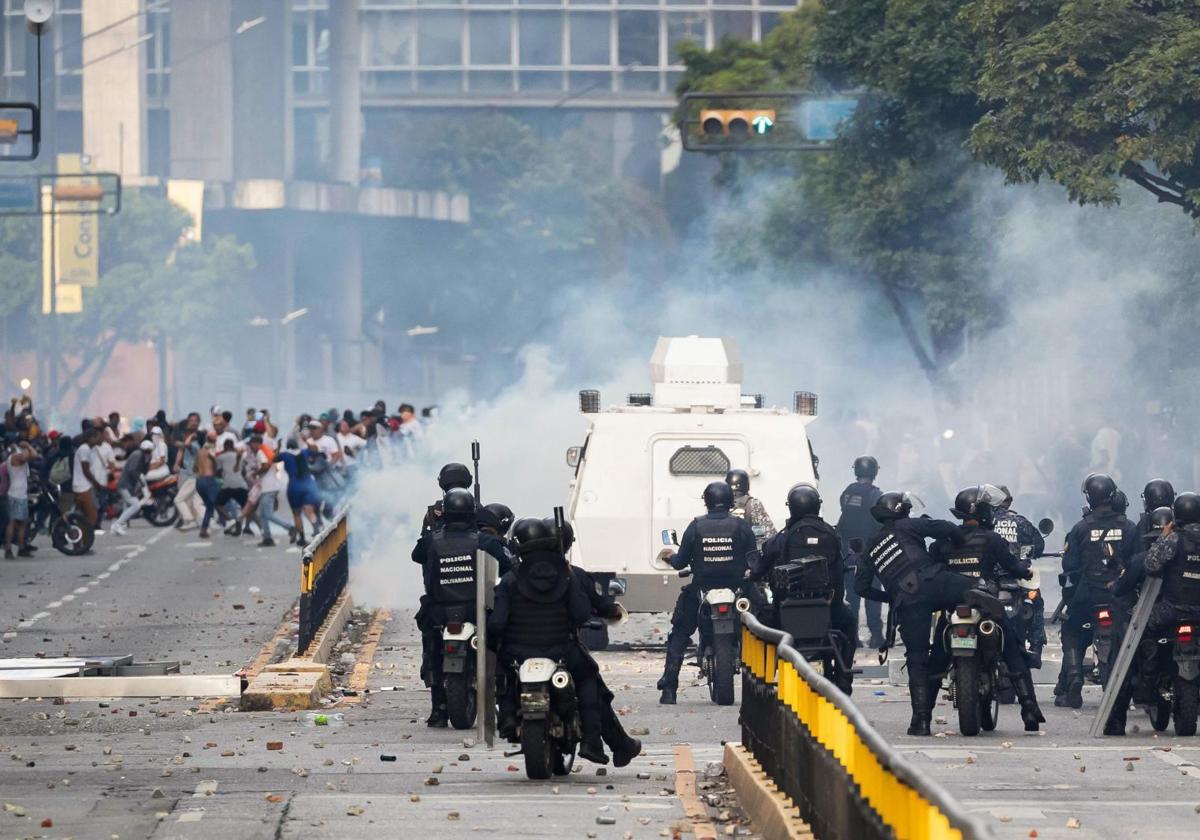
point(192, 471)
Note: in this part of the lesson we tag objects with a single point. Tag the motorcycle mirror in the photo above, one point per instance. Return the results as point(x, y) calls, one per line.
point(1046, 526)
point(670, 537)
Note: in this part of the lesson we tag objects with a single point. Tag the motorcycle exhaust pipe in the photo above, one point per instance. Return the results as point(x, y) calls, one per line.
point(742, 605)
point(560, 680)
point(474, 643)
point(987, 627)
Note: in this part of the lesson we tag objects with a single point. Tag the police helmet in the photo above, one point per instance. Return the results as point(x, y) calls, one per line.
point(739, 482)
point(531, 529)
point(803, 500)
point(501, 515)
point(1007, 502)
point(454, 475)
point(458, 505)
point(1157, 493)
point(1120, 502)
point(891, 506)
point(865, 466)
point(1186, 508)
point(1099, 489)
point(977, 503)
point(568, 534)
point(1160, 518)
point(718, 496)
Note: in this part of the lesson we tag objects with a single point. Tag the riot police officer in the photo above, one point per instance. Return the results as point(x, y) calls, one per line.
point(1176, 559)
point(749, 508)
point(856, 526)
point(718, 548)
point(812, 544)
point(448, 567)
point(984, 555)
point(497, 519)
point(537, 610)
point(1158, 493)
point(916, 587)
point(1026, 543)
point(451, 476)
point(1098, 548)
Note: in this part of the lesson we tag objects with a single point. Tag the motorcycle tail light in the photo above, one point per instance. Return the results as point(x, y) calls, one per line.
point(962, 630)
point(454, 627)
point(962, 612)
point(1104, 617)
point(1185, 634)
point(722, 609)
point(451, 647)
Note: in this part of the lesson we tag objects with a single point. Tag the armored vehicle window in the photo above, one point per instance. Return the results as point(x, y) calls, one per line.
point(695, 460)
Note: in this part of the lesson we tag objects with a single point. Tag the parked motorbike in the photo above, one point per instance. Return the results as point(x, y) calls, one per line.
point(549, 723)
point(70, 532)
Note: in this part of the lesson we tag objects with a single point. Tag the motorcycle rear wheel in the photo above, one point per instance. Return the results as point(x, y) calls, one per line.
point(1186, 702)
point(1160, 715)
point(966, 694)
point(724, 664)
point(538, 749)
point(460, 701)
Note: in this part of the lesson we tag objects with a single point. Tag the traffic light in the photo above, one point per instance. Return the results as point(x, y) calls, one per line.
point(739, 124)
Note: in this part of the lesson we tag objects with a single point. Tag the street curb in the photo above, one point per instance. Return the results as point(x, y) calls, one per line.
point(773, 814)
point(297, 684)
point(322, 643)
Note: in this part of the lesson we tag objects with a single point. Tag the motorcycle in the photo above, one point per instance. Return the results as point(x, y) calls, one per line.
point(1104, 639)
point(974, 642)
point(549, 726)
point(805, 615)
point(459, 644)
point(1175, 693)
point(720, 641)
point(159, 506)
point(70, 532)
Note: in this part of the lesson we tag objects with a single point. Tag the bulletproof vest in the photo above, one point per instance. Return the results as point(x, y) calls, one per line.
point(856, 521)
point(894, 559)
point(816, 551)
point(452, 564)
point(967, 559)
point(539, 618)
point(1006, 526)
point(1181, 578)
point(1101, 548)
point(716, 558)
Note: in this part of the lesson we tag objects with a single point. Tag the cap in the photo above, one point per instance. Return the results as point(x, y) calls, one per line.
point(146, 445)
point(314, 424)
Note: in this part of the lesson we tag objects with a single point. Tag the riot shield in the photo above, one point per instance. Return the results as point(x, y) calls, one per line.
point(486, 569)
point(1129, 644)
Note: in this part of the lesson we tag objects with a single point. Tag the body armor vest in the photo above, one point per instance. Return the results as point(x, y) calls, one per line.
point(1181, 578)
point(452, 557)
point(537, 624)
point(892, 563)
point(716, 557)
point(967, 559)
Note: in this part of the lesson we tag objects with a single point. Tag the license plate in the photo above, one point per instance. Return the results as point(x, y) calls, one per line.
point(963, 642)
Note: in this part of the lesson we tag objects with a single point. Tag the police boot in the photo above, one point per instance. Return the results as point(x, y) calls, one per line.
point(668, 683)
point(593, 750)
point(920, 708)
point(437, 717)
point(1031, 715)
point(624, 748)
point(1072, 696)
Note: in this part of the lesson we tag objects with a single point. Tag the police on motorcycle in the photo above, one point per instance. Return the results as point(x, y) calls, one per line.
point(812, 545)
point(718, 549)
point(856, 526)
point(749, 508)
point(1026, 543)
point(1176, 559)
point(984, 555)
point(916, 587)
point(1158, 493)
point(538, 608)
point(1099, 546)
point(447, 557)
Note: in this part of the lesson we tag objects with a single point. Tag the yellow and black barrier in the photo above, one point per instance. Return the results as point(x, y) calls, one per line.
point(324, 573)
point(819, 749)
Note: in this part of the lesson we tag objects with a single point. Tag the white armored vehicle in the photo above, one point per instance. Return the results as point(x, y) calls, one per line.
point(643, 466)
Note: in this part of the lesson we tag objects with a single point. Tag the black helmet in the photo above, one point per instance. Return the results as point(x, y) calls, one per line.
point(1186, 508)
point(803, 500)
point(865, 466)
point(1157, 493)
point(891, 506)
point(739, 482)
point(976, 503)
point(1120, 502)
point(1099, 489)
point(568, 535)
point(458, 505)
point(454, 475)
point(531, 529)
point(500, 517)
point(718, 496)
point(1160, 518)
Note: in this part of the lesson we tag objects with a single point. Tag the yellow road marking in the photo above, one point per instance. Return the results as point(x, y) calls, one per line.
point(685, 789)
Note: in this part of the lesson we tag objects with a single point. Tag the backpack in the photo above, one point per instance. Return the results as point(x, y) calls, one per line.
point(60, 471)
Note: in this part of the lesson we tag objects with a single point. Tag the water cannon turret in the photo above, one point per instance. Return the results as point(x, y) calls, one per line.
point(696, 371)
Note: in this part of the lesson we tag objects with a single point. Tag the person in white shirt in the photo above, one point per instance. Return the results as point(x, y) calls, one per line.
point(349, 442)
point(158, 468)
point(18, 499)
point(270, 482)
point(83, 480)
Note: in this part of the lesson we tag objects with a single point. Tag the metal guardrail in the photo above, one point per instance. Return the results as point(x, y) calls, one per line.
point(816, 745)
point(324, 573)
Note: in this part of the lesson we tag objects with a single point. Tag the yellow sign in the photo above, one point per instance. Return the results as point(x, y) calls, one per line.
point(77, 238)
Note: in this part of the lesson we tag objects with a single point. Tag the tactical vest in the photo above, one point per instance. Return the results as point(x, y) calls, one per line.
point(1181, 578)
point(816, 551)
point(856, 521)
point(716, 558)
point(892, 563)
point(537, 624)
point(1006, 526)
point(967, 559)
point(1100, 550)
point(452, 559)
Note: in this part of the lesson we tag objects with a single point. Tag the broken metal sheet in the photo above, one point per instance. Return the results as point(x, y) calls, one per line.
point(170, 685)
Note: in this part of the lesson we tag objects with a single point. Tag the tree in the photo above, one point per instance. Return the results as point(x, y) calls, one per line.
point(1086, 92)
